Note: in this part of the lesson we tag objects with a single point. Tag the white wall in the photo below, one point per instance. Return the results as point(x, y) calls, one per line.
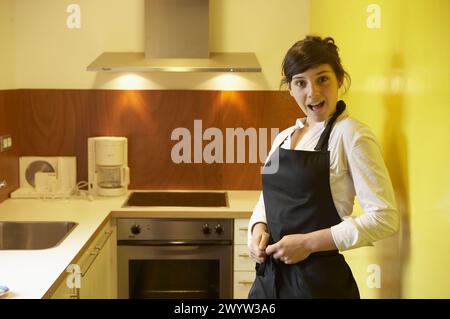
point(7, 44)
point(49, 55)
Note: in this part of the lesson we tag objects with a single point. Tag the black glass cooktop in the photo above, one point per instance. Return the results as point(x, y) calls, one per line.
point(187, 199)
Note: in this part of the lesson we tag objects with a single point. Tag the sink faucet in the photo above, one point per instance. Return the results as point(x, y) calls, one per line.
point(3, 184)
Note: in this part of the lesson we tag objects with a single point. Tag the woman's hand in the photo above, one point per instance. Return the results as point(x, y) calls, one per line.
point(290, 249)
point(296, 247)
point(260, 239)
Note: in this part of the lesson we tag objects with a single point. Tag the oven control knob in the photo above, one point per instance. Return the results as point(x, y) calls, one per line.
point(135, 229)
point(206, 229)
point(218, 229)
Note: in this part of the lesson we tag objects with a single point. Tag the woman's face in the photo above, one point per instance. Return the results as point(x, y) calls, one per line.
point(316, 92)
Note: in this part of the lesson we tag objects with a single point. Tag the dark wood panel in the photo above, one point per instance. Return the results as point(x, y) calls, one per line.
point(9, 166)
point(148, 122)
point(259, 111)
point(58, 122)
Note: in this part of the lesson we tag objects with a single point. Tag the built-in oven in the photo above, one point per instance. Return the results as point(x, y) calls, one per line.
point(175, 258)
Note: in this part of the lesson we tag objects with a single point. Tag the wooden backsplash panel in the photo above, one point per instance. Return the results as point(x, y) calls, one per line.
point(9, 166)
point(48, 122)
point(255, 110)
point(148, 119)
point(58, 122)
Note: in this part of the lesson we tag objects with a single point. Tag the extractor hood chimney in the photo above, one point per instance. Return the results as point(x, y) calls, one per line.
point(177, 34)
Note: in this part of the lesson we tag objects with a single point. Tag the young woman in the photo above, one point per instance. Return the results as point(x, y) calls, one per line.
point(313, 172)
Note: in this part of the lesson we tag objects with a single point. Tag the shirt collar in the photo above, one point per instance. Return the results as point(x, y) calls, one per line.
point(300, 122)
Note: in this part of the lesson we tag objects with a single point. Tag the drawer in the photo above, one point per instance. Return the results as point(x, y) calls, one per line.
point(242, 260)
point(243, 281)
point(240, 231)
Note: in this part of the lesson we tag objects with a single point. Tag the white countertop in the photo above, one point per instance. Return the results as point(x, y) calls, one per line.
point(31, 273)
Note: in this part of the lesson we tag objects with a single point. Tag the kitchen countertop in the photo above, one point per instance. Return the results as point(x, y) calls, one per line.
point(31, 273)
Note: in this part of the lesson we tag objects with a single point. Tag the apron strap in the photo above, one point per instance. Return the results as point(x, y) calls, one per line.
point(322, 145)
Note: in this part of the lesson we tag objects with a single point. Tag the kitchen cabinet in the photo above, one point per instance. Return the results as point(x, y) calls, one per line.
point(97, 267)
point(244, 267)
point(63, 291)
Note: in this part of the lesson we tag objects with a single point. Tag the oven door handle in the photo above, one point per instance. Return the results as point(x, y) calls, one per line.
point(174, 242)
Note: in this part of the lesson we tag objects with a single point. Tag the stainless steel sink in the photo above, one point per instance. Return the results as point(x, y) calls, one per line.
point(33, 235)
point(185, 199)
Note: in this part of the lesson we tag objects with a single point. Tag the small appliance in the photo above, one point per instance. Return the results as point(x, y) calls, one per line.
point(46, 176)
point(151, 250)
point(108, 172)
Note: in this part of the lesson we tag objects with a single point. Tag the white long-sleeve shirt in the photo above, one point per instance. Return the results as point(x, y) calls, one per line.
point(356, 168)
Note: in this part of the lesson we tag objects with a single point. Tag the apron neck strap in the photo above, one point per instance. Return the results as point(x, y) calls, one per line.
point(322, 145)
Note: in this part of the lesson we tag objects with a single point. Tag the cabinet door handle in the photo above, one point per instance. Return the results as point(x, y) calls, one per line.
point(243, 228)
point(244, 255)
point(106, 235)
point(94, 253)
point(92, 256)
point(245, 282)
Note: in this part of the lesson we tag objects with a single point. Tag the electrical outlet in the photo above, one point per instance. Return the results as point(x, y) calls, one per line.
point(5, 142)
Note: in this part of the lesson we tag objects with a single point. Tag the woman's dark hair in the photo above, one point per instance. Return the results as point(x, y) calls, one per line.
point(309, 52)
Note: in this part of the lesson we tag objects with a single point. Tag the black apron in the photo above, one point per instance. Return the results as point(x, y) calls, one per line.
point(297, 199)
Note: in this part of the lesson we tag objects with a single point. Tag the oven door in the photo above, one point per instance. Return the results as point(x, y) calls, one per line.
point(175, 271)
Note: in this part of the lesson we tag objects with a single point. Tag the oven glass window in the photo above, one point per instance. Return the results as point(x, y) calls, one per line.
point(174, 279)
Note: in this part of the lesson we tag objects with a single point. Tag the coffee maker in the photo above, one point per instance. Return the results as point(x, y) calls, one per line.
point(108, 172)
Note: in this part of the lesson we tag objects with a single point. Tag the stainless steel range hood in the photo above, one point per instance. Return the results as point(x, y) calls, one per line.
point(136, 62)
point(177, 40)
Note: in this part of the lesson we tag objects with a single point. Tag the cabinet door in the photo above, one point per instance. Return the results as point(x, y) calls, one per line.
point(242, 260)
point(240, 231)
point(243, 281)
point(98, 269)
point(97, 266)
point(244, 267)
point(63, 291)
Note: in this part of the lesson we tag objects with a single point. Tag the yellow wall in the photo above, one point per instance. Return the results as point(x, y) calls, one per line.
point(49, 55)
point(399, 87)
point(6, 47)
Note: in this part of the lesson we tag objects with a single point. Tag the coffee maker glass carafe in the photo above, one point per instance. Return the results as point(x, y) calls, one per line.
point(109, 177)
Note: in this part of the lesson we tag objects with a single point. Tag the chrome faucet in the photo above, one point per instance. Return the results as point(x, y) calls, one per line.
point(3, 184)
